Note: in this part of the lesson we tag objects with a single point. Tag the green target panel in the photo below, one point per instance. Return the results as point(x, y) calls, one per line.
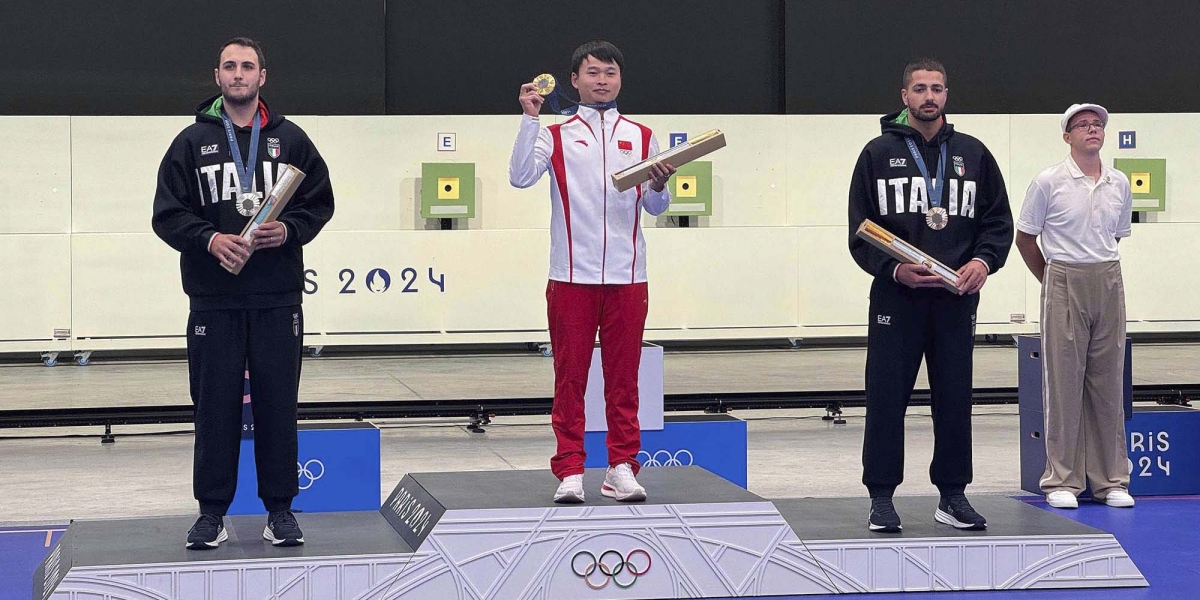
point(691, 190)
point(1147, 182)
point(448, 190)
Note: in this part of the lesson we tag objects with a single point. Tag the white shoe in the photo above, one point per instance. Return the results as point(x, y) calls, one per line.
point(620, 483)
point(1062, 499)
point(1119, 499)
point(570, 491)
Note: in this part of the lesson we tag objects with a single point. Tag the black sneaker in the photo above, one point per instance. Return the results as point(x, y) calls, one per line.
point(207, 533)
point(283, 530)
point(957, 512)
point(883, 516)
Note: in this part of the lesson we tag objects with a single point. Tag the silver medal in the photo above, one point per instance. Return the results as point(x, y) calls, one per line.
point(248, 203)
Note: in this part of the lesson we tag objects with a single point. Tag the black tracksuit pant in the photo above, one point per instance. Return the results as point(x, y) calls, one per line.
point(906, 325)
point(222, 344)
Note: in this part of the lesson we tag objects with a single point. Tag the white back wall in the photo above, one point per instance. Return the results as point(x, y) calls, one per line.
point(77, 250)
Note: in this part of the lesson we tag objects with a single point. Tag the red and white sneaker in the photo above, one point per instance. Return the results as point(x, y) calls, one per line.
point(620, 483)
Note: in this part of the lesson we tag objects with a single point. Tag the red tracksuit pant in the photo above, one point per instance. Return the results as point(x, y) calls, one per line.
point(575, 312)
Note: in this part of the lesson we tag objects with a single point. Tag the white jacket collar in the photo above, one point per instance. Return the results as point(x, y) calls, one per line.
point(592, 116)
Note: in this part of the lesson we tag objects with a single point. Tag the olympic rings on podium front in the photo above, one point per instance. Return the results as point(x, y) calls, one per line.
point(611, 570)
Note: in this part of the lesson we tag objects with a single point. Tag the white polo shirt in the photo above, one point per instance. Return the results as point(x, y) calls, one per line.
point(1078, 219)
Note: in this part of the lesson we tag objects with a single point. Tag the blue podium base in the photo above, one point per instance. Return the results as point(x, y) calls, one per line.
point(715, 442)
point(1163, 456)
point(1161, 442)
point(338, 469)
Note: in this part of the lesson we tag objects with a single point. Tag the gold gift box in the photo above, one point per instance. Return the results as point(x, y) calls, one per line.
point(281, 193)
point(678, 156)
point(906, 253)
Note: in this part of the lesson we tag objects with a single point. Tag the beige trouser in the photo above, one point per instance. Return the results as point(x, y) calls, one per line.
point(1083, 366)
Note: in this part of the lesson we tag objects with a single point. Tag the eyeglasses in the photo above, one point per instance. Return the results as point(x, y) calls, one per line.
point(1087, 125)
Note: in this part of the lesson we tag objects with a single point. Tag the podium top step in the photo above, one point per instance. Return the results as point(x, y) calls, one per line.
point(468, 490)
point(846, 519)
point(160, 540)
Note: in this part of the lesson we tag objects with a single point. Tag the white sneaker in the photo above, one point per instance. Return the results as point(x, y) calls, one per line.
point(1062, 499)
point(620, 483)
point(1119, 499)
point(570, 491)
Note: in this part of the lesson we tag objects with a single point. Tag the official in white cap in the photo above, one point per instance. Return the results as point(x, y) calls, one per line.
point(1080, 209)
point(1098, 111)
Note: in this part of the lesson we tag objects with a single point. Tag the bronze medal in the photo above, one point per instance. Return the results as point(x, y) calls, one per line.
point(937, 218)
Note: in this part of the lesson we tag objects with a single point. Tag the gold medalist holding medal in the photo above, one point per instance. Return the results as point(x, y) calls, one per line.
point(681, 154)
point(544, 84)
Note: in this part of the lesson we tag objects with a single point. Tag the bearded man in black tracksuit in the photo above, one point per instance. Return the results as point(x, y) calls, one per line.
point(214, 176)
point(941, 191)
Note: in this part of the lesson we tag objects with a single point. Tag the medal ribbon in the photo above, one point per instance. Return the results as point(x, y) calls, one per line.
point(934, 193)
point(573, 107)
point(245, 171)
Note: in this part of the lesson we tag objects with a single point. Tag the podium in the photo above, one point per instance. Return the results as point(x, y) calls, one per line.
point(496, 535)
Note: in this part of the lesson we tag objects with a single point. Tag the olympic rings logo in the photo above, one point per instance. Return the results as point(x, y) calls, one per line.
point(613, 573)
point(305, 471)
point(664, 458)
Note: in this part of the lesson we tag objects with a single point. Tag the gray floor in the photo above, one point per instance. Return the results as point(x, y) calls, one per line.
point(51, 478)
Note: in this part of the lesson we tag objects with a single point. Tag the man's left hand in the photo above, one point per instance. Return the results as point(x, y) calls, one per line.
point(972, 277)
point(659, 174)
point(269, 235)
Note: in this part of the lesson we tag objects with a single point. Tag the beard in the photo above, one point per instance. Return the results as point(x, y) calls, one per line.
point(920, 116)
point(239, 96)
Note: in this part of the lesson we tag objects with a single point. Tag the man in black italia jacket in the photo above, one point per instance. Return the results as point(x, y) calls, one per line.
point(214, 176)
point(941, 191)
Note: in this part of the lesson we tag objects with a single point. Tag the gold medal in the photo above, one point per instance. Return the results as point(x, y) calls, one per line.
point(544, 83)
point(937, 218)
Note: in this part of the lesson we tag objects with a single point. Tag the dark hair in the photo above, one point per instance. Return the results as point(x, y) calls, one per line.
point(247, 42)
point(600, 50)
point(923, 64)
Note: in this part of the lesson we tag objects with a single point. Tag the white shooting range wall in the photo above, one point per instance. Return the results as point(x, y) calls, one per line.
point(77, 251)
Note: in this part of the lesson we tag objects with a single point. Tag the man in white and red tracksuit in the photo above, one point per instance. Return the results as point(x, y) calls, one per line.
point(597, 261)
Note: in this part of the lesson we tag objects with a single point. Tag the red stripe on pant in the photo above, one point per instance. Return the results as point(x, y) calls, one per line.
point(575, 312)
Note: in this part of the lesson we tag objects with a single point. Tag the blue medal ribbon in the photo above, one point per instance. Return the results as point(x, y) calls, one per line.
point(573, 107)
point(934, 193)
point(245, 171)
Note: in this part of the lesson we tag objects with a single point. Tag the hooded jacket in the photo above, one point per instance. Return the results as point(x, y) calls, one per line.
point(198, 197)
point(888, 189)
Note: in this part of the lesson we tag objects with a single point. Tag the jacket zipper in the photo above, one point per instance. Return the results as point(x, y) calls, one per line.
point(604, 178)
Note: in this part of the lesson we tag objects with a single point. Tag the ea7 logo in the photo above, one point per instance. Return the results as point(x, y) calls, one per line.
point(200, 330)
point(883, 319)
point(898, 163)
point(206, 150)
